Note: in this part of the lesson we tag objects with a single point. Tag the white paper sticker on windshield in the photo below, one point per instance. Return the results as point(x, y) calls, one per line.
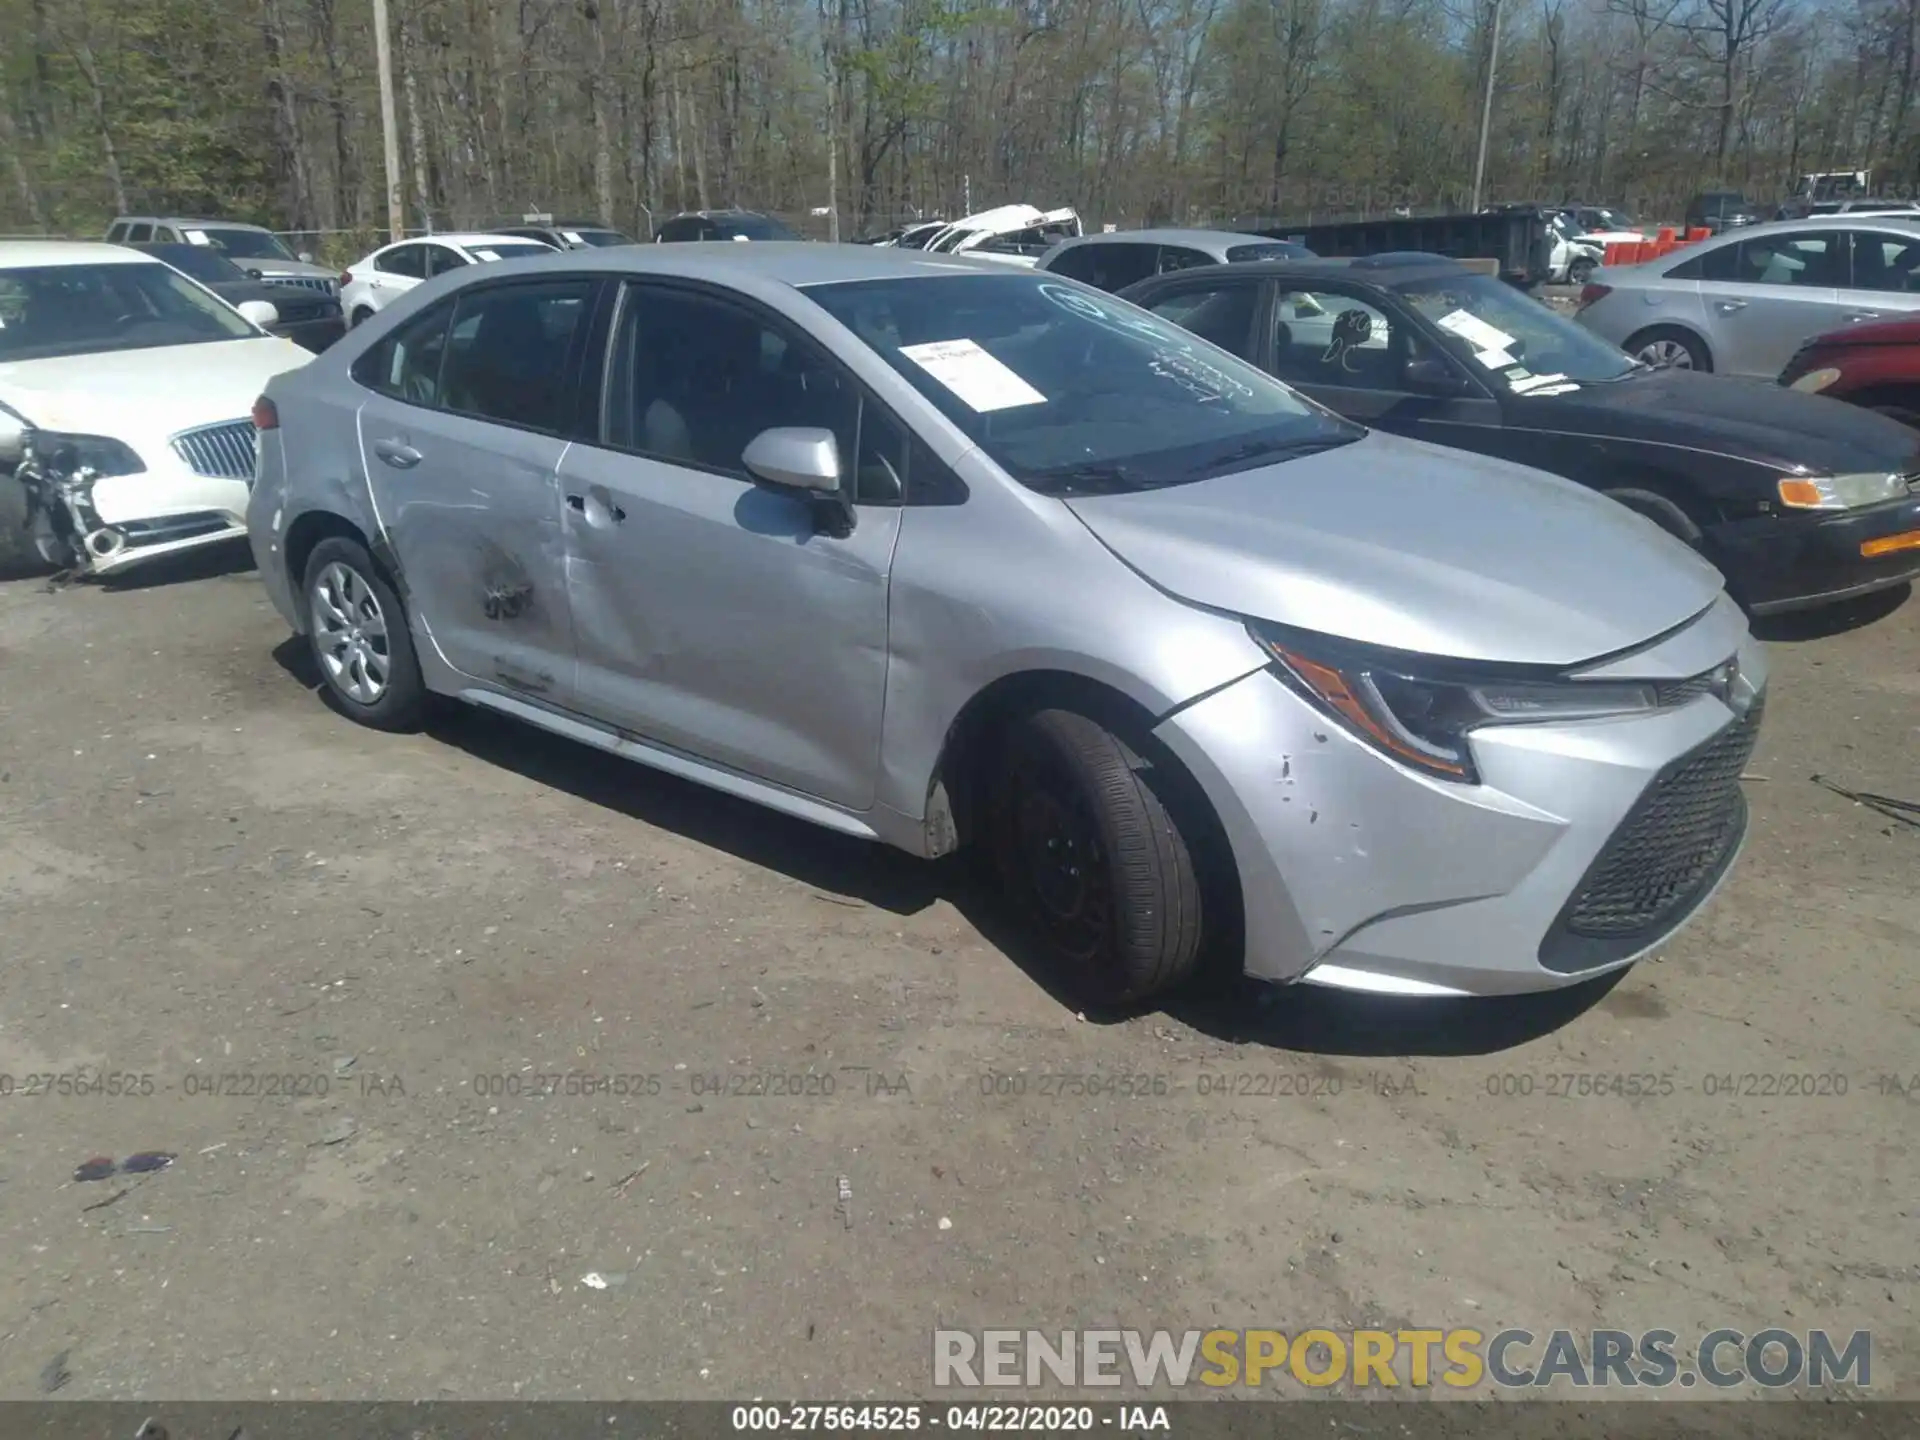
point(1535, 383)
point(572, 237)
point(981, 381)
point(198, 237)
point(1494, 359)
point(1554, 389)
point(487, 254)
point(1475, 331)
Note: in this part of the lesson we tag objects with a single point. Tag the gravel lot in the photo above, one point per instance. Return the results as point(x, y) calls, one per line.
point(209, 882)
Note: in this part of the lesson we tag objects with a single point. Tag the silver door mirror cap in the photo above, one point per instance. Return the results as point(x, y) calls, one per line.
point(797, 456)
point(261, 312)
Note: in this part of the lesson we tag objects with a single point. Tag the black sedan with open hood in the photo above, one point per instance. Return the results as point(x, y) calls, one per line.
point(1799, 500)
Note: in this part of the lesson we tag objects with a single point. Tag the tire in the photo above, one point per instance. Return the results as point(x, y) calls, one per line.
point(1670, 347)
point(371, 678)
point(361, 314)
point(1662, 511)
point(1580, 271)
point(1085, 839)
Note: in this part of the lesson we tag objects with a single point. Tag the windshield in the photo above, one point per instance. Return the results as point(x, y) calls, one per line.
point(753, 227)
point(506, 249)
point(916, 237)
point(1516, 341)
point(55, 310)
point(202, 262)
point(243, 244)
point(1614, 220)
point(1073, 393)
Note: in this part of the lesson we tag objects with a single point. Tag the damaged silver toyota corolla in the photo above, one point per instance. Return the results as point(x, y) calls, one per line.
point(937, 553)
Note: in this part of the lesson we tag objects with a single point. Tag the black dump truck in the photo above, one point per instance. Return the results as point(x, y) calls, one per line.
point(1516, 240)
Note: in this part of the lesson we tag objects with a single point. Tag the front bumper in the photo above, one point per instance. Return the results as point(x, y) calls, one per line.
point(1796, 561)
point(1358, 873)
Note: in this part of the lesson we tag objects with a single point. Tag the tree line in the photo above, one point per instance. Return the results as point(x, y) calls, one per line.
point(1135, 111)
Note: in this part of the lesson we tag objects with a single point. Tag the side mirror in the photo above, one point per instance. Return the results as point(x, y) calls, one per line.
point(306, 257)
point(254, 272)
point(13, 438)
point(261, 312)
point(807, 460)
point(803, 459)
point(1430, 376)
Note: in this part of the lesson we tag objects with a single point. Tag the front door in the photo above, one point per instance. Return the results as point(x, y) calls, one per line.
point(711, 613)
point(1766, 294)
point(462, 437)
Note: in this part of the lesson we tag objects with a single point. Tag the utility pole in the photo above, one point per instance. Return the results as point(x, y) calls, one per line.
point(389, 127)
point(1486, 109)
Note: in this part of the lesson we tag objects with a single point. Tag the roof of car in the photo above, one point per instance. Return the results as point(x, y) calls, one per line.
point(784, 262)
point(1903, 222)
point(190, 220)
point(20, 254)
point(463, 237)
point(1382, 270)
point(1174, 236)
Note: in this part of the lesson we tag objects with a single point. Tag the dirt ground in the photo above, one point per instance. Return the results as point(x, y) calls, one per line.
point(333, 968)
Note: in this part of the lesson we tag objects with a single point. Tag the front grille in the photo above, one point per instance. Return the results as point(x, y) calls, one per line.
point(318, 283)
point(224, 450)
point(297, 312)
point(1674, 843)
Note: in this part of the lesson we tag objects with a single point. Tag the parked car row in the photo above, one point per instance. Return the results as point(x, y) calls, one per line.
point(1237, 619)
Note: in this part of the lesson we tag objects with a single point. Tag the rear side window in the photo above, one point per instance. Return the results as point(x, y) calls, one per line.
point(440, 260)
point(509, 354)
point(408, 260)
point(1721, 263)
point(1179, 257)
point(406, 365)
point(1272, 250)
point(1112, 266)
point(1222, 314)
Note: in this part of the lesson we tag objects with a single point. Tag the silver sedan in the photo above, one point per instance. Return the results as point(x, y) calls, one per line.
point(936, 553)
point(1743, 302)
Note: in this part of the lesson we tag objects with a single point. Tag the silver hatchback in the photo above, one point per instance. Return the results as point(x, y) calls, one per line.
point(938, 553)
point(1743, 302)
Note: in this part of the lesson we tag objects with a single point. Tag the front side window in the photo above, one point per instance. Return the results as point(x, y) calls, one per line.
point(1512, 340)
point(1325, 338)
point(1072, 393)
point(55, 310)
point(695, 378)
point(408, 260)
point(406, 364)
point(245, 244)
point(508, 355)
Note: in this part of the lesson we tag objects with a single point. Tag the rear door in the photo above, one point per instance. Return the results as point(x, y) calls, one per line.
point(1764, 295)
point(712, 615)
point(471, 404)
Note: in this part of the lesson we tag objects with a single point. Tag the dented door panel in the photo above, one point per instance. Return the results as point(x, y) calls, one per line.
point(710, 616)
point(472, 511)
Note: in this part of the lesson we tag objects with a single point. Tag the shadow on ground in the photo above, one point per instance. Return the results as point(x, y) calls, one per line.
point(1301, 1018)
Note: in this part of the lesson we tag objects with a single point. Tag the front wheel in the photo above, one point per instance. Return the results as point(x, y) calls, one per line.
point(357, 628)
point(361, 314)
point(1092, 853)
point(1580, 271)
point(1666, 347)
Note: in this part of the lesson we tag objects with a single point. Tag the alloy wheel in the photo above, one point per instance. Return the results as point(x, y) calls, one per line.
point(350, 633)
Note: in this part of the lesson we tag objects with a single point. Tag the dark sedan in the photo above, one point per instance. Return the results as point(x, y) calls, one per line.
point(1799, 500)
point(309, 319)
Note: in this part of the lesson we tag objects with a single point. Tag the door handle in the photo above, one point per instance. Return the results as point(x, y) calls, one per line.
point(397, 453)
point(1727, 307)
point(611, 510)
point(1857, 315)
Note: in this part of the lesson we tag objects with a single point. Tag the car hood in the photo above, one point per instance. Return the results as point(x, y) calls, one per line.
point(138, 395)
point(1776, 428)
point(295, 268)
point(1395, 543)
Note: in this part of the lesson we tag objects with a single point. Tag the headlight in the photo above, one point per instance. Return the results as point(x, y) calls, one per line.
point(1424, 721)
point(1841, 492)
point(67, 454)
point(1815, 381)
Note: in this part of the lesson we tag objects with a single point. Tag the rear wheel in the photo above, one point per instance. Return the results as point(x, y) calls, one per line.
point(361, 314)
point(357, 628)
point(1669, 348)
point(1089, 843)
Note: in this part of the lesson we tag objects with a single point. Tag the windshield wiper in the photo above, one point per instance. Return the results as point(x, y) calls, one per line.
point(1093, 479)
point(1268, 449)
